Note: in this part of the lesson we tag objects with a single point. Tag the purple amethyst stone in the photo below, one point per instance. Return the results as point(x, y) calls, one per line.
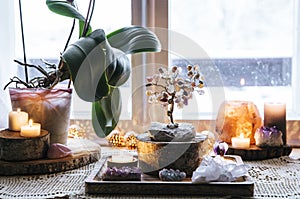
point(268, 136)
point(124, 173)
point(171, 175)
point(220, 148)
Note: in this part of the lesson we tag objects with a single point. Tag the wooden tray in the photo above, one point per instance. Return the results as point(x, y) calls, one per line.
point(150, 185)
point(84, 152)
point(259, 153)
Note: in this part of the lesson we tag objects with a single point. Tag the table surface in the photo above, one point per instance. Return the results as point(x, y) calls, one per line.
point(278, 177)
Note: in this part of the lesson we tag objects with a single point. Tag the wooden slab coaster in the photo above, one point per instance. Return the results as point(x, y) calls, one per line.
point(84, 152)
point(14, 147)
point(260, 153)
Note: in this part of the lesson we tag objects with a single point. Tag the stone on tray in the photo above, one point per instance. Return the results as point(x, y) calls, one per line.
point(171, 175)
point(268, 136)
point(161, 133)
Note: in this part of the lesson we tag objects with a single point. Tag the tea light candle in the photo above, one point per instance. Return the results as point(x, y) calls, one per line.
point(31, 130)
point(122, 158)
point(16, 119)
point(120, 161)
point(275, 115)
point(240, 142)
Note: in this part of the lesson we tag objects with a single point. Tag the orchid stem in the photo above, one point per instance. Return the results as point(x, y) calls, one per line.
point(88, 17)
point(23, 42)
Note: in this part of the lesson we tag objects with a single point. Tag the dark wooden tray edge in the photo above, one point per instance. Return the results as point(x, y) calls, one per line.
point(93, 186)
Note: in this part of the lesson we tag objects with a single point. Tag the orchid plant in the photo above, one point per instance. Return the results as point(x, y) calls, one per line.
point(96, 63)
point(169, 87)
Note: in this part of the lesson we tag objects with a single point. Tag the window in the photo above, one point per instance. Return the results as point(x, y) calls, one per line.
point(247, 49)
point(251, 43)
point(244, 47)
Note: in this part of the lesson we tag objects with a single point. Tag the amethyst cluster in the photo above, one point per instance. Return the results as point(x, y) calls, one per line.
point(122, 174)
point(171, 175)
point(268, 136)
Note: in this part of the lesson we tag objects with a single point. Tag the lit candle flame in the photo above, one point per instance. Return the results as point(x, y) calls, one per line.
point(242, 82)
point(242, 135)
point(18, 110)
point(30, 122)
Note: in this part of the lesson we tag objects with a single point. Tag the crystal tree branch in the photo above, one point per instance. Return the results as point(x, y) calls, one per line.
point(169, 87)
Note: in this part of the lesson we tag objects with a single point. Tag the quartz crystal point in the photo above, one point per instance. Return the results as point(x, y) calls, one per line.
point(217, 169)
point(58, 150)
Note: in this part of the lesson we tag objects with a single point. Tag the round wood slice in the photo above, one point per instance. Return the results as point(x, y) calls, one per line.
point(14, 147)
point(84, 152)
point(259, 153)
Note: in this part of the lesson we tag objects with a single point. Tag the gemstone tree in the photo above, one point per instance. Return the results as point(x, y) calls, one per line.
point(169, 87)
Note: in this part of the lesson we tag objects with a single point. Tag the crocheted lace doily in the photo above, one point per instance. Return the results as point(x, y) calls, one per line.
point(274, 178)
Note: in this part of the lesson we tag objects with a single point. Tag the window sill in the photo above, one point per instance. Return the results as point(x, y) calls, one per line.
point(293, 128)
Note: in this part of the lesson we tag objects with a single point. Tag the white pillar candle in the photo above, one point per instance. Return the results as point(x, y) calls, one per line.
point(16, 119)
point(240, 142)
point(31, 130)
point(275, 115)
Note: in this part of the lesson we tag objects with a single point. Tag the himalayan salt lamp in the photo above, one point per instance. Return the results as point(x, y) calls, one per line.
point(236, 117)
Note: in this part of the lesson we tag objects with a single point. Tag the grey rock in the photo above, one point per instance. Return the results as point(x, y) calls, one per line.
point(161, 133)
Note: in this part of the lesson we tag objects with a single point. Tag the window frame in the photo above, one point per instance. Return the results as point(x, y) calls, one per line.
point(295, 65)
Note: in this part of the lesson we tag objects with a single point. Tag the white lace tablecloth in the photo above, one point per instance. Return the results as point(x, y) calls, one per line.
point(274, 178)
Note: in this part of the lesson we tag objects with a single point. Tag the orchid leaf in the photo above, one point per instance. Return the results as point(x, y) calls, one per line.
point(134, 39)
point(65, 8)
point(129, 40)
point(86, 62)
point(118, 66)
point(106, 113)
